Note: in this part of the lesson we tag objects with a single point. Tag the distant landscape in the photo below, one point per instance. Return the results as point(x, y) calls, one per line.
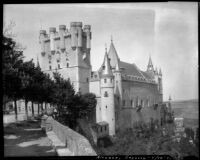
point(188, 109)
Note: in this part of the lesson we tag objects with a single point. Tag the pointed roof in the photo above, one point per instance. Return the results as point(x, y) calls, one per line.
point(107, 70)
point(150, 64)
point(112, 54)
point(117, 68)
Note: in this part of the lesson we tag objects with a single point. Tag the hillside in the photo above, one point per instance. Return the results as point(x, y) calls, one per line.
point(186, 109)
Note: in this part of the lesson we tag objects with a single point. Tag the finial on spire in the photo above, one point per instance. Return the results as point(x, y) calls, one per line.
point(106, 47)
point(111, 38)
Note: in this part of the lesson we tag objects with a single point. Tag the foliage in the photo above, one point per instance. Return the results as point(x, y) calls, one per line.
point(155, 144)
point(23, 80)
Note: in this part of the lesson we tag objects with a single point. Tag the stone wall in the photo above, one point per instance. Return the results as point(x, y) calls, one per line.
point(129, 117)
point(75, 142)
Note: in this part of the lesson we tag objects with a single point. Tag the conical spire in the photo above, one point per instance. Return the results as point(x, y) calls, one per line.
point(150, 62)
point(112, 54)
point(150, 65)
point(106, 65)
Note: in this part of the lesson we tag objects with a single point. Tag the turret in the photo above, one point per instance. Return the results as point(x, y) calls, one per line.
point(73, 32)
point(62, 29)
point(42, 43)
point(107, 95)
point(150, 65)
point(79, 31)
point(87, 29)
point(156, 77)
point(52, 32)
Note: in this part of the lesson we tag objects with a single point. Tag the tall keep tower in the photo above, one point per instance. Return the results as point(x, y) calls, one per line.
point(68, 52)
point(107, 95)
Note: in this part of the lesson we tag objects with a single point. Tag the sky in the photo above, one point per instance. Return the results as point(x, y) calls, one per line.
point(167, 31)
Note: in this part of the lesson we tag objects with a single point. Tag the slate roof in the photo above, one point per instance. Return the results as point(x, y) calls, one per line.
point(130, 69)
point(112, 54)
point(147, 75)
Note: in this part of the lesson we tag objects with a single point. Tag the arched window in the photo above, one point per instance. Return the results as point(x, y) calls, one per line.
point(49, 67)
point(58, 66)
point(106, 106)
point(105, 80)
point(67, 65)
point(106, 94)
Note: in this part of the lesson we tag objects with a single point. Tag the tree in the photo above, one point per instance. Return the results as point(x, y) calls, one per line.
point(12, 60)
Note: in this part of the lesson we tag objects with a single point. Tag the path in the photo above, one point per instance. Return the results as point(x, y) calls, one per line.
point(26, 139)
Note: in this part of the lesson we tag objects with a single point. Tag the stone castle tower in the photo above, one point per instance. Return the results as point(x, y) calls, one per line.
point(107, 95)
point(158, 78)
point(68, 52)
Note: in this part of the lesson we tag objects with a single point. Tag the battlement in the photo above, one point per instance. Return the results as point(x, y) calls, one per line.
point(62, 27)
point(42, 31)
point(88, 27)
point(79, 37)
point(52, 29)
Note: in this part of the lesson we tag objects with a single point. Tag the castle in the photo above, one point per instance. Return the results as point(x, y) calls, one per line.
point(125, 94)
